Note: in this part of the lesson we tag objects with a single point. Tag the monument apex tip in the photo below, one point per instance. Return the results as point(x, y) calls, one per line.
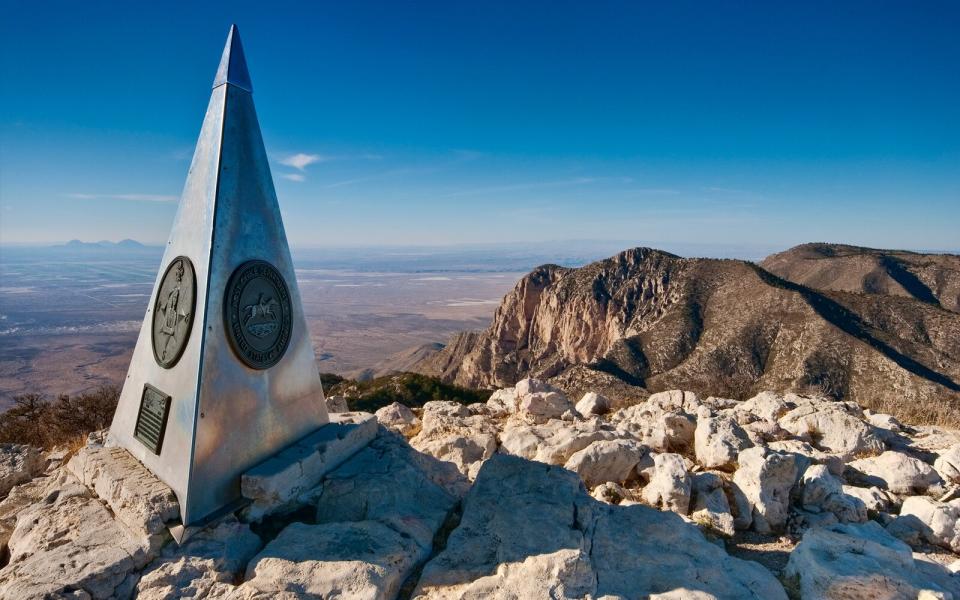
point(233, 64)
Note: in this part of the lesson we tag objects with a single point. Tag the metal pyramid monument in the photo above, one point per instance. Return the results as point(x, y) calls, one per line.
point(223, 374)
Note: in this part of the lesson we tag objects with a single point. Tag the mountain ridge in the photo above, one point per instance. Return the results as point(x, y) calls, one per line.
point(652, 319)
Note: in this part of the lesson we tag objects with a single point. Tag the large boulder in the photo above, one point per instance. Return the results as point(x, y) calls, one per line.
point(450, 432)
point(709, 506)
point(553, 442)
point(530, 531)
point(821, 491)
point(18, 464)
point(69, 541)
point(363, 559)
point(765, 478)
point(205, 566)
point(399, 418)
point(670, 485)
point(608, 460)
point(675, 401)
point(503, 401)
point(538, 401)
point(593, 404)
point(663, 430)
point(858, 561)
point(894, 471)
point(718, 441)
point(768, 406)
point(831, 427)
point(937, 522)
point(384, 483)
point(947, 464)
point(873, 498)
point(813, 456)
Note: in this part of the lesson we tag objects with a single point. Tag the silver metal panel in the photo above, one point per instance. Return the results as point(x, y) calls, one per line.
point(249, 414)
point(225, 417)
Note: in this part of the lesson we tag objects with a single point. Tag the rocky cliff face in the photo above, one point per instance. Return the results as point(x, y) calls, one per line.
point(652, 319)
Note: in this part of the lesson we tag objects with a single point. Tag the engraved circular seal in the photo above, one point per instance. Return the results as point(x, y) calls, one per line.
point(257, 314)
point(173, 311)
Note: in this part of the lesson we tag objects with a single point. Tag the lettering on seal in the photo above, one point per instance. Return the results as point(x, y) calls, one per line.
point(257, 314)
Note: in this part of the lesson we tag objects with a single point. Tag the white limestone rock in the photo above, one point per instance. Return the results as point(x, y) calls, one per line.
point(530, 531)
point(765, 478)
point(947, 464)
point(136, 496)
point(18, 464)
point(609, 492)
point(858, 561)
point(894, 471)
point(832, 427)
point(503, 401)
point(675, 401)
point(384, 483)
point(205, 566)
point(70, 541)
point(885, 422)
point(709, 506)
point(399, 418)
point(362, 559)
point(939, 522)
point(593, 404)
point(450, 432)
point(608, 460)
point(553, 442)
point(22, 497)
point(875, 499)
point(541, 406)
point(821, 491)
point(670, 484)
point(661, 429)
point(718, 441)
point(833, 462)
point(768, 406)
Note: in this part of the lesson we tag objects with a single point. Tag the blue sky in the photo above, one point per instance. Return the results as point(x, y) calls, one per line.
point(766, 123)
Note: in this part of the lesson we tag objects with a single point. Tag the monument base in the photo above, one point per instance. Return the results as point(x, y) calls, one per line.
point(143, 504)
point(275, 484)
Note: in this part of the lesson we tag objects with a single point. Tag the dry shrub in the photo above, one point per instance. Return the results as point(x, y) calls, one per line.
point(36, 421)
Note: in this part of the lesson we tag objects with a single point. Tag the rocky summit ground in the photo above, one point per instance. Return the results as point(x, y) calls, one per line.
point(526, 495)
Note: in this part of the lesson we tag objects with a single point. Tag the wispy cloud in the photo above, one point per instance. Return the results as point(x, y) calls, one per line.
point(293, 177)
point(382, 175)
point(127, 197)
point(301, 160)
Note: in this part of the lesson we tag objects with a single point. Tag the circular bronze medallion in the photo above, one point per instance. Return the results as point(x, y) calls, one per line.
point(257, 314)
point(173, 311)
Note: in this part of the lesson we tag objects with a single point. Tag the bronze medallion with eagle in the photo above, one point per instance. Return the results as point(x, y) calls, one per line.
point(257, 314)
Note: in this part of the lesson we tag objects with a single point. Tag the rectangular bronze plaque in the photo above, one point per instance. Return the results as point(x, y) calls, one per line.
point(152, 419)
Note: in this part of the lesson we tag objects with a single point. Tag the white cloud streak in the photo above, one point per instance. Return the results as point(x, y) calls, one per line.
point(294, 177)
point(301, 161)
